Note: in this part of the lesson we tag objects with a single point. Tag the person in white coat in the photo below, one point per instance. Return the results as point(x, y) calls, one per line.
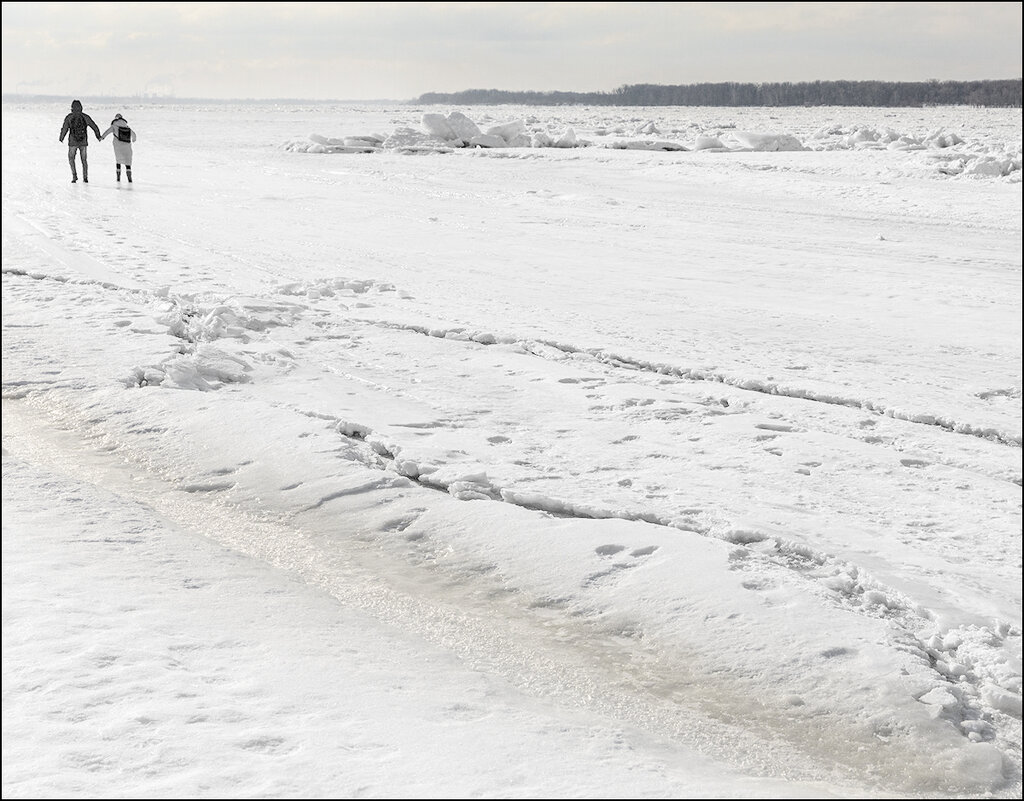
point(123, 138)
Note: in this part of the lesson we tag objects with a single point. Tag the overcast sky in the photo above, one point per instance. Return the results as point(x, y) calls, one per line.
point(398, 51)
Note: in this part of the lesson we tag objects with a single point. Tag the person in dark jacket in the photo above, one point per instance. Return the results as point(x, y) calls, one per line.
point(76, 128)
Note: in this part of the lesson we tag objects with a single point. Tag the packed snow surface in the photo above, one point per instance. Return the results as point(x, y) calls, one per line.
point(501, 452)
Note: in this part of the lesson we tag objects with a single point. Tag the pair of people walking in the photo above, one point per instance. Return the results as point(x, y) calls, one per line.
point(76, 128)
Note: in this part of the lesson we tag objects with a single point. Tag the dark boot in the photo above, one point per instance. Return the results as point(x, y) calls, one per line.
point(119, 173)
point(128, 172)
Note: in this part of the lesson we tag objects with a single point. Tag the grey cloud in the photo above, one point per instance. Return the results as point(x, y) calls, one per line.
point(401, 50)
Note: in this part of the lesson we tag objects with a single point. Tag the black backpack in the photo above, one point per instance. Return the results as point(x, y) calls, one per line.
point(79, 129)
point(124, 134)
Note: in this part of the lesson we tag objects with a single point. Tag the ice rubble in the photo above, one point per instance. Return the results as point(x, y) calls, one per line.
point(944, 151)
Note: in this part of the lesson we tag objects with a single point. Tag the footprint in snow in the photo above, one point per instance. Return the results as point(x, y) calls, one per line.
point(636, 553)
point(775, 427)
point(266, 745)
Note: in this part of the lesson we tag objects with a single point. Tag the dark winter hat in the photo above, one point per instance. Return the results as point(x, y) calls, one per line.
point(76, 105)
point(116, 118)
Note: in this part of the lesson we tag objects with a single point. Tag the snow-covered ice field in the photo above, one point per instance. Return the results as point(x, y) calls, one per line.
point(675, 452)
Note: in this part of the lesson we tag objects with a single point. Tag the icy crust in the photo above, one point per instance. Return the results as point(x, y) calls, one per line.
point(733, 559)
point(928, 697)
point(944, 152)
point(200, 364)
point(850, 674)
point(852, 667)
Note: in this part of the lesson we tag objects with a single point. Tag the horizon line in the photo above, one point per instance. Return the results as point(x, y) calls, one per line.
point(174, 98)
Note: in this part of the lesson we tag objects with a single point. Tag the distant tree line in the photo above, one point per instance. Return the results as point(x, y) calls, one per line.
point(1002, 94)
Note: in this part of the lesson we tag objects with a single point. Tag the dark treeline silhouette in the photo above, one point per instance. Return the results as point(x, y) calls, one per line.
point(1002, 94)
